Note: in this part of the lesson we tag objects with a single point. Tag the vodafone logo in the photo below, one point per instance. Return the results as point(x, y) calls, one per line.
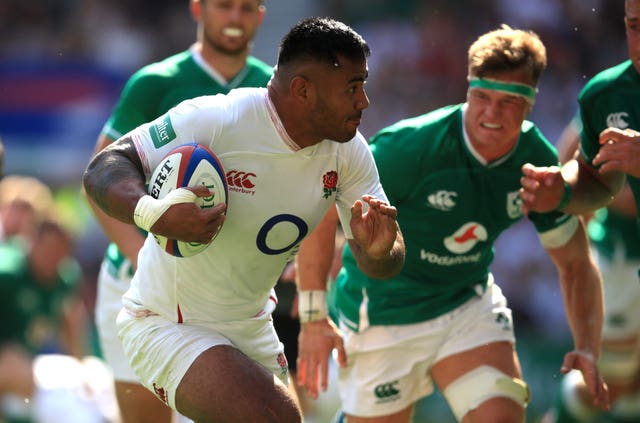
point(240, 181)
point(465, 238)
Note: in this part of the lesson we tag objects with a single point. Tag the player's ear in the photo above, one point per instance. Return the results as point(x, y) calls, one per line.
point(301, 88)
point(261, 12)
point(196, 9)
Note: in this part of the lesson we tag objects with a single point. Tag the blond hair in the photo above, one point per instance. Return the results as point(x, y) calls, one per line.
point(507, 49)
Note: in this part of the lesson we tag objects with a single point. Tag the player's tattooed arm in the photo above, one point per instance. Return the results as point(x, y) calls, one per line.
point(114, 179)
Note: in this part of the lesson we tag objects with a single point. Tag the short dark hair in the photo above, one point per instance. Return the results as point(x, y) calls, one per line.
point(322, 40)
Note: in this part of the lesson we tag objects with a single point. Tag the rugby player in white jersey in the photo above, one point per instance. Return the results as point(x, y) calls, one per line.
point(197, 330)
point(217, 62)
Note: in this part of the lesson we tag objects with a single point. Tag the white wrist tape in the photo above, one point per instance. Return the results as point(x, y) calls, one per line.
point(149, 209)
point(312, 305)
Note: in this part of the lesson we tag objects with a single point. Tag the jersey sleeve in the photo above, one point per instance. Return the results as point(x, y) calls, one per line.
point(560, 235)
point(589, 145)
point(196, 120)
point(554, 228)
point(359, 177)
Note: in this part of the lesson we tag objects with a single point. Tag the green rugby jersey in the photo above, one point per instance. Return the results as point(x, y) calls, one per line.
point(155, 88)
point(31, 311)
point(451, 208)
point(611, 98)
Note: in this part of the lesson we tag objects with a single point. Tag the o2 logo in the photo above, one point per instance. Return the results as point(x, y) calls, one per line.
point(269, 225)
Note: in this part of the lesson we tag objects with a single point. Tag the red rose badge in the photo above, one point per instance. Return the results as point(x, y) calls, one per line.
point(330, 183)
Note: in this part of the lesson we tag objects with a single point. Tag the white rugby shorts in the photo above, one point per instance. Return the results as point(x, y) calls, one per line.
point(388, 366)
point(621, 297)
point(161, 351)
point(108, 305)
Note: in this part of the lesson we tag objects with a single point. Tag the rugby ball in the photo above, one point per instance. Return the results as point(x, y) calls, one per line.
point(188, 165)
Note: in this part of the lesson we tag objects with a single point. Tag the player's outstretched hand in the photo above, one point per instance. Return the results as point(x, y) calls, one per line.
point(376, 230)
point(315, 343)
point(619, 151)
point(542, 188)
point(587, 365)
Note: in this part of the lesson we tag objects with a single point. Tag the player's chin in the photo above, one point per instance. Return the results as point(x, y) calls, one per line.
point(345, 138)
point(233, 47)
point(351, 128)
point(341, 137)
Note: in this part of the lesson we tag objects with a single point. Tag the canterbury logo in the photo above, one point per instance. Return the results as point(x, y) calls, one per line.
point(618, 120)
point(239, 179)
point(442, 200)
point(386, 390)
point(466, 237)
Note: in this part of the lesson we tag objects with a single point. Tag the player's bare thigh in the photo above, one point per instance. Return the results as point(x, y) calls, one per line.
point(139, 405)
point(500, 355)
point(223, 381)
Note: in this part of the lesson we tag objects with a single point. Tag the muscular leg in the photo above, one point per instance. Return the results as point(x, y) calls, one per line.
point(499, 355)
point(225, 384)
point(139, 405)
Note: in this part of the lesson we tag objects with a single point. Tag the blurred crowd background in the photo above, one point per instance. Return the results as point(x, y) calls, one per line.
point(64, 62)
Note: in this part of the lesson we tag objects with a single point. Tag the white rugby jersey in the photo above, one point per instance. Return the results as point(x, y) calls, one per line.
point(277, 194)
